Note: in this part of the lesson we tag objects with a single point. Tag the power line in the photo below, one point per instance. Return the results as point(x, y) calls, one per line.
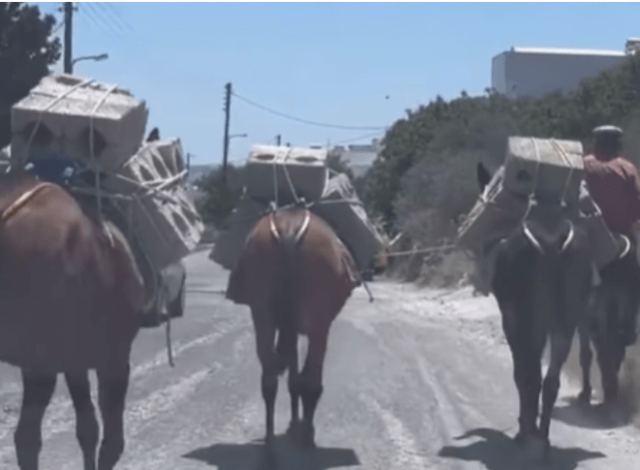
point(110, 17)
point(119, 17)
point(99, 20)
point(354, 139)
point(58, 27)
point(306, 121)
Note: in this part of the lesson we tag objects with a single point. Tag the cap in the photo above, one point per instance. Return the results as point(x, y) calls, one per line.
point(607, 130)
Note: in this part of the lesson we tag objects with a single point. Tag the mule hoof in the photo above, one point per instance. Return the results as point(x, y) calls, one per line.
point(306, 436)
point(537, 448)
point(293, 430)
point(584, 399)
point(269, 439)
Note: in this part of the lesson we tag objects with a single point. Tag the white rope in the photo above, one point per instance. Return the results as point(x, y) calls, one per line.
point(275, 185)
point(92, 151)
point(288, 177)
point(168, 340)
point(51, 104)
point(566, 160)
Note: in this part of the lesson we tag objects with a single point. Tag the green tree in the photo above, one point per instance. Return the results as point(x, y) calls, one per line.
point(424, 180)
point(26, 52)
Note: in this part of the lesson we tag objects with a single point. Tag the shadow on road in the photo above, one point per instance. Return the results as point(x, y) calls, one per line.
point(497, 451)
point(255, 456)
point(592, 417)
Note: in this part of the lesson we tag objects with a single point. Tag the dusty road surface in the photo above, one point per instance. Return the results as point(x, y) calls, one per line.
point(420, 379)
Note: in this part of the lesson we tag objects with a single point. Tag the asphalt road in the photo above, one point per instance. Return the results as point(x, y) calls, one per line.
point(419, 379)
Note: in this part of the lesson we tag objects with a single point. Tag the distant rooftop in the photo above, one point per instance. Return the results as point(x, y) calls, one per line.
point(562, 51)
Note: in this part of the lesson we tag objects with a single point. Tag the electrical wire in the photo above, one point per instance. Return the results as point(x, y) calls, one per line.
point(305, 121)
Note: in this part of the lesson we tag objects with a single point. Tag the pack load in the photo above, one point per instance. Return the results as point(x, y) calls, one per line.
point(549, 169)
point(78, 118)
point(303, 173)
point(544, 169)
point(165, 218)
point(275, 173)
point(230, 240)
point(343, 210)
point(495, 215)
point(606, 246)
point(64, 117)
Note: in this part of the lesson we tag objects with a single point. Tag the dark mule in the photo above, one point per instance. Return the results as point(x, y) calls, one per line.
point(542, 279)
point(296, 276)
point(69, 302)
point(611, 324)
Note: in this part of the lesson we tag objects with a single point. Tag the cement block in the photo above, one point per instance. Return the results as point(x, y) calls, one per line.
point(267, 168)
point(61, 108)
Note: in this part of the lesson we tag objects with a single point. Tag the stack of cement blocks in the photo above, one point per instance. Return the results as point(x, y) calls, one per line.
point(547, 168)
point(305, 170)
point(286, 173)
point(77, 118)
point(103, 126)
point(550, 171)
point(343, 210)
point(165, 219)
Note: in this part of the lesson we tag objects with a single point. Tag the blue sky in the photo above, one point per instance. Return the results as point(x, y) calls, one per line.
point(335, 63)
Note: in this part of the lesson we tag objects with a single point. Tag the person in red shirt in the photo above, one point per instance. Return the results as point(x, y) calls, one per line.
point(613, 181)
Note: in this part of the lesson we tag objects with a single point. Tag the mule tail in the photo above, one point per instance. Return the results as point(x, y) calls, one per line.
point(289, 243)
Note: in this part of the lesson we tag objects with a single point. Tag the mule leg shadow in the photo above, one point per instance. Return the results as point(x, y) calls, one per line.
point(497, 451)
point(598, 416)
point(281, 455)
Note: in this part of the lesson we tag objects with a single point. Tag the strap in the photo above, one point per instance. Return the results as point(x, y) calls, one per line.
point(24, 198)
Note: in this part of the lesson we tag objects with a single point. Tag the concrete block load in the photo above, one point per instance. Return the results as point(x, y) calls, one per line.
point(165, 217)
point(303, 172)
point(272, 171)
point(71, 116)
point(341, 207)
point(548, 168)
point(102, 127)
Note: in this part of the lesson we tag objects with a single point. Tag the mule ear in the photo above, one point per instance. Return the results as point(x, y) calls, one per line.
point(483, 175)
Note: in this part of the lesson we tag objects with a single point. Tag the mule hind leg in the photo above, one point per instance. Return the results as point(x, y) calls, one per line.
point(113, 383)
point(87, 428)
point(265, 331)
point(586, 358)
point(310, 383)
point(36, 395)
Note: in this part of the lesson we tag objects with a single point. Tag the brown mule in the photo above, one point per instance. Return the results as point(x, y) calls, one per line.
point(296, 276)
point(70, 296)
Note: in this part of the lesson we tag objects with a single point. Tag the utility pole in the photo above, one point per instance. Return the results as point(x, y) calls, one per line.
point(227, 115)
point(278, 140)
point(68, 37)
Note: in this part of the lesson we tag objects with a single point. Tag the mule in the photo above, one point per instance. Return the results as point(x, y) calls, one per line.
point(296, 276)
point(70, 297)
point(542, 278)
point(611, 324)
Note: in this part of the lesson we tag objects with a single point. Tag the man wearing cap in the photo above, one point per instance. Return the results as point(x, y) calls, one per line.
point(613, 181)
point(614, 185)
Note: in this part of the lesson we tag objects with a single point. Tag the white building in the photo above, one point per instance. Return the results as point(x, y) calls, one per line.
point(358, 157)
point(535, 72)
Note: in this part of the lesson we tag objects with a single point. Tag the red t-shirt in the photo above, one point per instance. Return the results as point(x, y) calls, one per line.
point(615, 186)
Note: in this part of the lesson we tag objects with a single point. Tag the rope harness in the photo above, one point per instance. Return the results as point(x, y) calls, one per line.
point(528, 233)
point(23, 200)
